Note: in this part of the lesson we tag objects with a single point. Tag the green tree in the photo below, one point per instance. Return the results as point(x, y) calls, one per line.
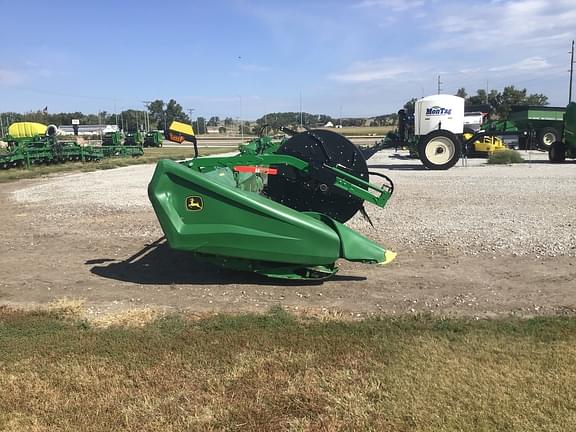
point(174, 111)
point(157, 115)
point(162, 114)
point(410, 106)
point(199, 126)
point(214, 121)
point(462, 93)
point(501, 102)
point(292, 120)
point(131, 120)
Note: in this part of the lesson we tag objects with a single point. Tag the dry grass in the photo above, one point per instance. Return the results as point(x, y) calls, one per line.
point(67, 308)
point(137, 317)
point(274, 372)
point(151, 155)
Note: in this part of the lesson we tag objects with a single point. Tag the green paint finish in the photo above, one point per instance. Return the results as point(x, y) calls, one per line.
point(153, 138)
point(529, 113)
point(240, 229)
point(47, 150)
point(570, 130)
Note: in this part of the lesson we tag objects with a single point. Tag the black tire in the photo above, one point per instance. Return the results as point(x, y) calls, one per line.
point(557, 152)
point(439, 150)
point(468, 129)
point(546, 137)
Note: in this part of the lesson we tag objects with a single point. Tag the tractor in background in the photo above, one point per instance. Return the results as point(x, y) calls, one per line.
point(153, 138)
point(565, 147)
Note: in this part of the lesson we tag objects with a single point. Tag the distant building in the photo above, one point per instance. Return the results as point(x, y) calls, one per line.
point(329, 125)
point(87, 129)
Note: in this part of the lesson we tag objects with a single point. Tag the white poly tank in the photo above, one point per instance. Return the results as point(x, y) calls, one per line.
point(439, 112)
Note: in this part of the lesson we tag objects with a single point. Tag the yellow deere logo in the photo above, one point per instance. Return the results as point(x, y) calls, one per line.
point(194, 203)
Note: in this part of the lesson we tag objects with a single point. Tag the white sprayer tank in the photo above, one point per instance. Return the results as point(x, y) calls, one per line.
point(439, 112)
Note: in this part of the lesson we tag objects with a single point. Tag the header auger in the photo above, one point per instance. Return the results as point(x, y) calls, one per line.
point(276, 208)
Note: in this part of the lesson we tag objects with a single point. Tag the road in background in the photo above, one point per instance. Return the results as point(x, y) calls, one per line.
point(235, 141)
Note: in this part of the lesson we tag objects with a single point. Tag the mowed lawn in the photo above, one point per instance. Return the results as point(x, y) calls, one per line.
point(275, 372)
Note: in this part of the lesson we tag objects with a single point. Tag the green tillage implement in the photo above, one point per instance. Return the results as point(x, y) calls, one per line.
point(220, 209)
point(47, 150)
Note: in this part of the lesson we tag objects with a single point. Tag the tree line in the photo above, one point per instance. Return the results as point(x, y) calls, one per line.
point(160, 114)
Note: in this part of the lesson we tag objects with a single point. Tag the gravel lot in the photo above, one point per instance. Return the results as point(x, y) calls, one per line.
point(476, 240)
point(478, 208)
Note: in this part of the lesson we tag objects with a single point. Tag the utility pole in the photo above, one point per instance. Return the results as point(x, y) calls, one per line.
point(241, 122)
point(147, 115)
point(164, 113)
point(191, 121)
point(115, 112)
point(571, 72)
point(300, 109)
point(439, 85)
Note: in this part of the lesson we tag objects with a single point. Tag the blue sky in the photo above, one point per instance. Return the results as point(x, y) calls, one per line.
point(243, 58)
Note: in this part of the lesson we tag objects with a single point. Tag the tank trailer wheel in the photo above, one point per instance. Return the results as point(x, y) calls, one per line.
point(546, 137)
point(557, 152)
point(439, 150)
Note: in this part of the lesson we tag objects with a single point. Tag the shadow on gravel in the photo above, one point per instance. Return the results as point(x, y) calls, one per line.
point(414, 166)
point(157, 264)
point(399, 167)
point(547, 162)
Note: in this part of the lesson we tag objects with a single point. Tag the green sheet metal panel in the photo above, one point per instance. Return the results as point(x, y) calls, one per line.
point(208, 217)
point(533, 113)
point(570, 129)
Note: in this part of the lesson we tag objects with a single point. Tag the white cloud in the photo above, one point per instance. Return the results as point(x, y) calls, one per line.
point(376, 70)
point(528, 64)
point(503, 25)
point(393, 5)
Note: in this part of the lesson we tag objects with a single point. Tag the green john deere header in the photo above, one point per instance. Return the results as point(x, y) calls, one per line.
point(277, 208)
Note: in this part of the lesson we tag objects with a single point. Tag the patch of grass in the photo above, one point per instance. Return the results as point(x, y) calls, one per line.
point(151, 155)
point(505, 157)
point(277, 372)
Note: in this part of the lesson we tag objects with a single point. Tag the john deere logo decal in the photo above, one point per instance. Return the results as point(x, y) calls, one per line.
point(194, 203)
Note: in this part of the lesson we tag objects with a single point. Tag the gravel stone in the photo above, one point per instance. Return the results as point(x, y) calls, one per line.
point(518, 210)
